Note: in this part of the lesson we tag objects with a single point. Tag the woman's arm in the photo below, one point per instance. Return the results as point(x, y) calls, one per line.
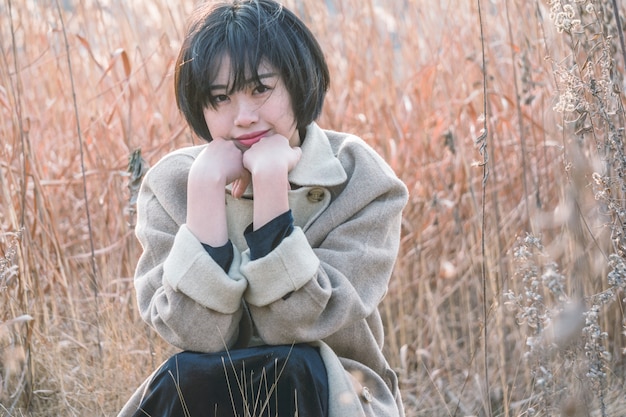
point(219, 163)
point(182, 292)
point(269, 162)
point(309, 287)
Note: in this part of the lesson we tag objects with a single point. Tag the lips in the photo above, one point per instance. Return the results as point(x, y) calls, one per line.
point(251, 138)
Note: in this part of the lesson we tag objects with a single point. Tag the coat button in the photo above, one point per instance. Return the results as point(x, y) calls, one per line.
point(367, 395)
point(315, 195)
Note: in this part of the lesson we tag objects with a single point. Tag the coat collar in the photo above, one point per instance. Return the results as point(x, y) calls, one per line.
point(318, 165)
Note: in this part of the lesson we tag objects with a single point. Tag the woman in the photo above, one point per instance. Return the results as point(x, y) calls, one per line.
point(266, 251)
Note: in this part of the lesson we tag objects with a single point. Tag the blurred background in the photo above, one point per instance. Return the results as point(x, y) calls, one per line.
point(505, 119)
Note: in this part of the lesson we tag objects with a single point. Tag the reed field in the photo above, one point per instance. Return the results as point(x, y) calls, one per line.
point(505, 119)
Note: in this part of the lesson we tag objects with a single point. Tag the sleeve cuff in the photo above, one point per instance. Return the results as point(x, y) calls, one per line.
point(191, 271)
point(288, 268)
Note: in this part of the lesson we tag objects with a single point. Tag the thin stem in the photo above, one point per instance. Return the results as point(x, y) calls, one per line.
point(482, 142)
point(94, 281)
point(620, 31)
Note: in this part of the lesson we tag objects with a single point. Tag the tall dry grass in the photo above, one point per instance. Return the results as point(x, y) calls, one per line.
point(507, 295)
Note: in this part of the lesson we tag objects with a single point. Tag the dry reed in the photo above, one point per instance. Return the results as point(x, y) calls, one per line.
point(539, 246)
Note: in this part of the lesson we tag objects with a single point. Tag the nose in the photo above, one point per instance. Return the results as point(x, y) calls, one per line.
point(247, 112)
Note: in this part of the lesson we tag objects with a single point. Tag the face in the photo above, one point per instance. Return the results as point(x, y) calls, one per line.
point(257, 111)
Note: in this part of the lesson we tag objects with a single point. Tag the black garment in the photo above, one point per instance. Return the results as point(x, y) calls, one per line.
point(261, 241)
point(263, 381)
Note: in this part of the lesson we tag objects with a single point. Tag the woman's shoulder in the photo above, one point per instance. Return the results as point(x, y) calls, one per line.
point(175, 163)
point(169, 174)
point(342, 142)
point(180, 155)
point(353, 150)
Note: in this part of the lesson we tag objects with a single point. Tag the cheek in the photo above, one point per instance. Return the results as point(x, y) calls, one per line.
point(212, 120)
point(286, 121)
point(287, 115)
point(281, 99)
point(207, 116)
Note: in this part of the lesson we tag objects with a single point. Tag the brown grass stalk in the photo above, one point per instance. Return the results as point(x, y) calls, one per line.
point(92, 259)
point(419, 82)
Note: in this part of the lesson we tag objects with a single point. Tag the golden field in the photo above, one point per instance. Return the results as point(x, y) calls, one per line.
point(505, 119)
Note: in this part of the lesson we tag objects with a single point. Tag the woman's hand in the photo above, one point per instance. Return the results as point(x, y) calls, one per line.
point(220, 163)
point(272, 155)
point(269, 162)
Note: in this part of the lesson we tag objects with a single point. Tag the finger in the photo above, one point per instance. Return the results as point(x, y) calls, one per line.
point(235, 188)
point(241, 183)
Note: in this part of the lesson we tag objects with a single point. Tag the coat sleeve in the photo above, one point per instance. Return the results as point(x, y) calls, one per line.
point(334, 277)
point(181, 291)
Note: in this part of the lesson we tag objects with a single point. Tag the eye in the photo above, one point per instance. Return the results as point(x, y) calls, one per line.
point(262, 88)
point(220, 98)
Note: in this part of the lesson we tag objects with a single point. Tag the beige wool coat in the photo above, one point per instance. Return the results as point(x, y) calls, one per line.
point(336, 264)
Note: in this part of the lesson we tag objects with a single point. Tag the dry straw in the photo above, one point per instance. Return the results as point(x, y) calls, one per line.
point(507, 296)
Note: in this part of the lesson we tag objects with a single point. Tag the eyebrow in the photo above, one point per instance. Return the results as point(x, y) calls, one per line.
point(249, 81)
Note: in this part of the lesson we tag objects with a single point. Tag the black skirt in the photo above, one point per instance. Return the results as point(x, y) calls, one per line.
point(263, 381)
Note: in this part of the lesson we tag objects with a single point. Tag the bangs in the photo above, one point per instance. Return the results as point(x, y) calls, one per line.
point(235, 42)
point(248, 33)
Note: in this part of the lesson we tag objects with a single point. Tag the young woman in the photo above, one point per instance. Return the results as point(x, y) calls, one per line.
point(267, 250)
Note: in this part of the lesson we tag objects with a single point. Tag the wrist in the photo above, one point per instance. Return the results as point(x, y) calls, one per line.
point(271, 198)
point(205, 179)
point(206, 211)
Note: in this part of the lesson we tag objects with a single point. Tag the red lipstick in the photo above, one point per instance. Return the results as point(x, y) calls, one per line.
point(250, 139)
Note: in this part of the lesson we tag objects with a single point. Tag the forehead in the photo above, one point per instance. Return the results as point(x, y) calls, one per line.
point(226, 74)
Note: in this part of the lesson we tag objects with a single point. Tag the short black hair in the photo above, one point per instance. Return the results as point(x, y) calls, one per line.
point(248, 32)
